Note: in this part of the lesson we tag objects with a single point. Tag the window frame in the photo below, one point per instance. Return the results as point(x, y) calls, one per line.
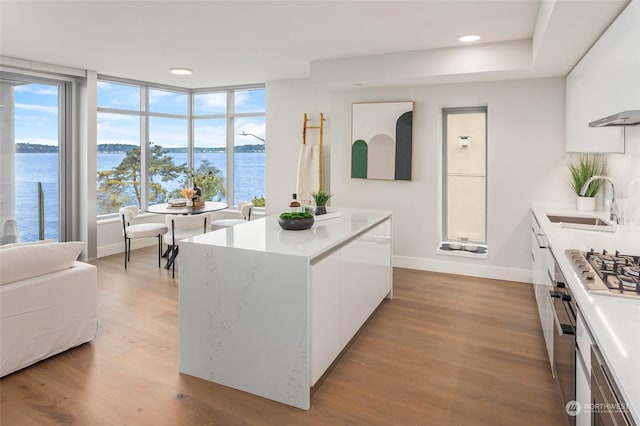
point(65, 125)
point(445, 161)
point(230, 115)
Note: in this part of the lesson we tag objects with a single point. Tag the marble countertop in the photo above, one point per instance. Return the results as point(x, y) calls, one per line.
point(614, 322)
point(265, 235)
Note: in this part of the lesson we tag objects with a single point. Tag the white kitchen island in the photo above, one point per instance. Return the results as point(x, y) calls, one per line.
point(267, 311)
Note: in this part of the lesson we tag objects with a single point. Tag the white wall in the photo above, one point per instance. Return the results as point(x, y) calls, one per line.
point(526, 163)
point(624, 170)
point(287, 101)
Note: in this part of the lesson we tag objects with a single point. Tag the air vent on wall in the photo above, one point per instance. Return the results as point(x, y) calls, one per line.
point(626, 118)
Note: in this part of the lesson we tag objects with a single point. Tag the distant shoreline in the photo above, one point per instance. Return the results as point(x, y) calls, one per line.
point(32, 148)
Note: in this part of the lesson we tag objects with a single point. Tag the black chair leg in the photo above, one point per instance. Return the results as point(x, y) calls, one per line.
point(126, 252)
point(159, 248)
point(173, 272)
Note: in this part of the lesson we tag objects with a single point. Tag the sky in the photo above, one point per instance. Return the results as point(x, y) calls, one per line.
point(36, 116)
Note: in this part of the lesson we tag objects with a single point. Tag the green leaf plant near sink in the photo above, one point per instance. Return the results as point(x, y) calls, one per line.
point(582, 168)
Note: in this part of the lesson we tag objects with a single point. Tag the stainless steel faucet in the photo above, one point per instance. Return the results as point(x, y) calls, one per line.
point(612, 208)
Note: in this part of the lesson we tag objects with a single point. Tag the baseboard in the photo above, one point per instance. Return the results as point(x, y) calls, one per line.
point(111, 249)
point(462, 268)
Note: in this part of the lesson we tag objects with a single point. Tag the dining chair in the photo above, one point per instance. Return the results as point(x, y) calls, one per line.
point(245, 207)
point(181, 227)
point(139, 230)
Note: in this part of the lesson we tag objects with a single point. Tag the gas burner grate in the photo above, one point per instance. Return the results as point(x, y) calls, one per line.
point(619, 273)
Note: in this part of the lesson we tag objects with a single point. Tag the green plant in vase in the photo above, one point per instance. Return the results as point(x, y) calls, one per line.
point(582, 168)
point(321, 199)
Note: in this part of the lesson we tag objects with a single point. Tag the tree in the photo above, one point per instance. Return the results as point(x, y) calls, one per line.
point(121, 185)
point(208, 178)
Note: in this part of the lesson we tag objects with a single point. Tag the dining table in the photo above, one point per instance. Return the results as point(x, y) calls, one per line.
point(166, 208)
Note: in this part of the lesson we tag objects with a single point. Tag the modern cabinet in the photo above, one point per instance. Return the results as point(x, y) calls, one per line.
point(542, 272)
point(583, 371)
point(346, 287)
point(603, 83)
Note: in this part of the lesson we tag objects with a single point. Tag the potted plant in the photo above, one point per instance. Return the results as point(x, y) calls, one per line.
point(321, 198)
point(584, 167)
point(295, 221)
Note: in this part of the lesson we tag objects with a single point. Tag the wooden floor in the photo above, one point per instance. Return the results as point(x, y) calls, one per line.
point(447, 350)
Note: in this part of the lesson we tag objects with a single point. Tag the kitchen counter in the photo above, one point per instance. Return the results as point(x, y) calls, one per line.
point(267, 311)
point(613, 321)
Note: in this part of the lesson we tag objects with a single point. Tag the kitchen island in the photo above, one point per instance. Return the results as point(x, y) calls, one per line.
point(267, 311)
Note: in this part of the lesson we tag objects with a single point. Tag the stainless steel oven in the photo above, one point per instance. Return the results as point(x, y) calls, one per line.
point(564, 340)
point(607, 405)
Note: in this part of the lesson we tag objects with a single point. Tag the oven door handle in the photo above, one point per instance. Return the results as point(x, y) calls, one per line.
point(562, 328)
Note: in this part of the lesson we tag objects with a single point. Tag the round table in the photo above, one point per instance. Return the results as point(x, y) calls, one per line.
point(165, 208)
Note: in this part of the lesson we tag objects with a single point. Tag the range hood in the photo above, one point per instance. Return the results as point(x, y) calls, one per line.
point(626, 118)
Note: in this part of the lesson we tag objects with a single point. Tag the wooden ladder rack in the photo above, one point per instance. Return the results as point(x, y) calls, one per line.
point(304, 141)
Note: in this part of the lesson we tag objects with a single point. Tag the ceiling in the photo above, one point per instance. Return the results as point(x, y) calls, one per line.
point(338, 43)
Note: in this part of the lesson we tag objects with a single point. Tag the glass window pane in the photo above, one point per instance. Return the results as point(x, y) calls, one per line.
point(210, 158)
point(210, 103)
point(168, 102)
point(249, 159)
point(465, 146)
point(36, 126)
point(118, 162)
point(120, 96)
point(250, 100)
point(168, 158)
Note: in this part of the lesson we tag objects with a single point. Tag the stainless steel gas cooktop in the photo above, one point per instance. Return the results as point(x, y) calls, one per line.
point(613, 274)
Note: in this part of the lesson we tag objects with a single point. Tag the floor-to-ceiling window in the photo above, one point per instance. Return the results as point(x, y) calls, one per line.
point(33, 173)
point(248, 157)
point(153, 140)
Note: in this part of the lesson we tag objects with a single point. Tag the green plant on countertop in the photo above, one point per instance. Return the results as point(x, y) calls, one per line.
point(321, 198)
point(584, 167)
point(295, 215)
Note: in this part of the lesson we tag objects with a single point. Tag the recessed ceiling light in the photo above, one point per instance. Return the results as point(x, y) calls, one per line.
point(182, 71)
point(469, 38)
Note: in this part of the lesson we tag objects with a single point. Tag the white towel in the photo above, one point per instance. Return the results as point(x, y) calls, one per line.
point(308, 173)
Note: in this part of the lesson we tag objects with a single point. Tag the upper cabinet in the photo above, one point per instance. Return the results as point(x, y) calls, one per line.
point(605, 82)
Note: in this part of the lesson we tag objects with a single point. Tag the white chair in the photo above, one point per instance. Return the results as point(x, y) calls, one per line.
point(245, 207)
point(140, 230)
point(181, 227)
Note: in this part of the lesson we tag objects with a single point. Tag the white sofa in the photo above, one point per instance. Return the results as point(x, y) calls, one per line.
point(47, 303)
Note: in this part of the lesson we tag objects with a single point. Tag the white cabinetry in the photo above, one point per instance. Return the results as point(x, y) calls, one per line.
point(583, 371)
point(604, 82)
point(542, 271)
point(346, 287)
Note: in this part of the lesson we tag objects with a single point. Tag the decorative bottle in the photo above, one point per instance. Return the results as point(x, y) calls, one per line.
point(294, 205)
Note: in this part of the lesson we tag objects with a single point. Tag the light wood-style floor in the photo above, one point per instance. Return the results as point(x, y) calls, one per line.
point(447, 350)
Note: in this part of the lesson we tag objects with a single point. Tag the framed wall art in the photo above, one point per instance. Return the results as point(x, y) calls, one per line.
point(381, 140)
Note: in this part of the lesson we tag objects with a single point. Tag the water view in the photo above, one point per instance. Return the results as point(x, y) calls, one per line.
point(32, 168)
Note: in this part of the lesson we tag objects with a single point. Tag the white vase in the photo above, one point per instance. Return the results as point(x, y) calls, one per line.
point(586, 203)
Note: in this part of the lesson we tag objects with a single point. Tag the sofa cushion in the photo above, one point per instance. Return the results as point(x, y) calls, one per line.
point(27, 261)
point(30, 243)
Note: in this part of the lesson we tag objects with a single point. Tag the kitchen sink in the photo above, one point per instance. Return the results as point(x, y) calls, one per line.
point(582, 222)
